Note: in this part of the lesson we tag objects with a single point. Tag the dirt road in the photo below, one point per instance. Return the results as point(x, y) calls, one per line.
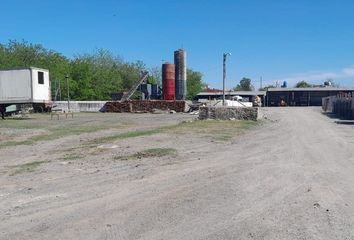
point(292, 177)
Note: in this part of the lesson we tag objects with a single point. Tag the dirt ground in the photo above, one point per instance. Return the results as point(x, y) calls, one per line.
point(165, 176)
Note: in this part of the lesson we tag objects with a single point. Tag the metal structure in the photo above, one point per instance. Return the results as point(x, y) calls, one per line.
point(129, 94)
point(168, 81)
point(150, 91)
point(224, 77)
point(180, 59)
point(67, 85)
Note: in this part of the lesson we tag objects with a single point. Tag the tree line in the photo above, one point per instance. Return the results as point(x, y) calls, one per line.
point(91, 76)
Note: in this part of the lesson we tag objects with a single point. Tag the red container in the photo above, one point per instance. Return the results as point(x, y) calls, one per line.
point(168, 81)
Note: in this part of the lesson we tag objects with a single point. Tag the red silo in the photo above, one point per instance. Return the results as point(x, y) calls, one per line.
point(168, 81)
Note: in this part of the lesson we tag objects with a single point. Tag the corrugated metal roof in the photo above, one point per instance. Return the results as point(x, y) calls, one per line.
point(248, 93)
point(309, 89)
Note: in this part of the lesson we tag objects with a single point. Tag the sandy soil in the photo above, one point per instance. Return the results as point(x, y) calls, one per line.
point(291, 177)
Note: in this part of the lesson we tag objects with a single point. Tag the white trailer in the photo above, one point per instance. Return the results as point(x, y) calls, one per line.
point(25, 86)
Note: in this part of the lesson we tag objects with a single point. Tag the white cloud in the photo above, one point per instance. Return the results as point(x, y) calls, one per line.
point(316, 77)
point(349, 72)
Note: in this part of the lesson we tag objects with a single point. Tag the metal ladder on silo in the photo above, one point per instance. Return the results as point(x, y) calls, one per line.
point(130, 93)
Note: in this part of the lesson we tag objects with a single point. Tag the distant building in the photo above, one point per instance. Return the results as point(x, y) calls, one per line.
point(301, 96)
point(275, 96)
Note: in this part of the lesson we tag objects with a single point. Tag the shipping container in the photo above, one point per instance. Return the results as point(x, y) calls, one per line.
point(25, 86)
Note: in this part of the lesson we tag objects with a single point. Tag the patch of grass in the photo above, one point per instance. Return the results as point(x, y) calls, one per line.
point(27, 167)
point(219, 130)
point(149, 153)
point(72, 156)
point(15, 143)
point(223, 137)
point(208, 126)
point(54, 134)
point(82, 123)
point(125, 135)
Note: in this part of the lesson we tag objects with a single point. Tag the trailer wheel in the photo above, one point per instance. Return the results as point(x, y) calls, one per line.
point(38, 108)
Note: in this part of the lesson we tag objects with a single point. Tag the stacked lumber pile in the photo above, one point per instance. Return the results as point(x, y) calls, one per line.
point(144, 106)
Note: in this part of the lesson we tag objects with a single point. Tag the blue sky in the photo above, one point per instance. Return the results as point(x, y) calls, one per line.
point(279, 40)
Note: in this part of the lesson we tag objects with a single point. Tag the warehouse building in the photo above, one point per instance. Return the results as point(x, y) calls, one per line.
point(302, 96)
point(274, 97)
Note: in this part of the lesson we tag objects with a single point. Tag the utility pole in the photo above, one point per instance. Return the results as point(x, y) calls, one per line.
point(67, 84)
point(224, 77)
point(59, 90)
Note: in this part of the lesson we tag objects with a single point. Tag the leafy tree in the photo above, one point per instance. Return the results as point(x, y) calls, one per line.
point(101, 73)
point(303, 84)
point(23, 54)
point(194, 83)
point(151, 80)
point(244, 85)
point(155, 75)
point(92, 76)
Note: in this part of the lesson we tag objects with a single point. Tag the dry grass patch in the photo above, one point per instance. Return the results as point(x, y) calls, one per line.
point(72, 156)
point(27, 167)
point(149, 153)
point(219, 130)
point(81, 123)
point(126, 135)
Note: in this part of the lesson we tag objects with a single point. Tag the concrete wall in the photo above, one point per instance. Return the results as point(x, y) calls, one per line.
point(229, 113)
point(80, 106)
point(228, 103)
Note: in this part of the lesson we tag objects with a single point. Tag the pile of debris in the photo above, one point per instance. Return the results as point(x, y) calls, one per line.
point(144, 106)
point(229, 113)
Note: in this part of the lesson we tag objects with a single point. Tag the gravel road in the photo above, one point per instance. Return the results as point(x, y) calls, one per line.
point(290, 178)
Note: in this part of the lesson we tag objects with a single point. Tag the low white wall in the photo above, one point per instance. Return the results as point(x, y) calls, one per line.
point(79, 106)
point(230, 103)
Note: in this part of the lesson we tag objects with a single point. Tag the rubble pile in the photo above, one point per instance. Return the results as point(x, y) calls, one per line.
point(144, 106)
point(229, 113)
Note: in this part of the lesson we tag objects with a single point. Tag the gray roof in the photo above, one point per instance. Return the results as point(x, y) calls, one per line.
point(24, 68)
point(235, 93)
point(319, 89)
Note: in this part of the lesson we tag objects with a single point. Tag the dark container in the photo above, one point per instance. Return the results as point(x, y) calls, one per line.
point(155, 91)
point(180, 59)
